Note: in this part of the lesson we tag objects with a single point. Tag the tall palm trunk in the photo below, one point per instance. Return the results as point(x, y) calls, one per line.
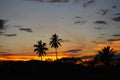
point(56, 52)
point(41, 58)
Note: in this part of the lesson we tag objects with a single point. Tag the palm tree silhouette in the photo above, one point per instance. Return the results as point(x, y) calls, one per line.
point(40, 49)
point(55, 42)
point(105, 55)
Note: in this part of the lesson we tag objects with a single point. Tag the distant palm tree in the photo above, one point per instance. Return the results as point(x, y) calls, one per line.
point(105, 55)
point(55, 42)
point(40, 49)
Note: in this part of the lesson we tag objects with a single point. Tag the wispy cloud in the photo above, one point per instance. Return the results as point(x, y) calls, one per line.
point(2, 23)
point(26, 29)
point(116, 35)
point(64, 40)
point(103, 11)
point(117, 14)
point(51, 1)
point(55, 1)
point(99, 28)
point(77, 17)
point(73, 51)
point(113, 40)
point(100, 22)
point(87, 3)
point(17, 26)
point(114, 6)
point(117, 19)
point(58, 1)
point(98, 39)
point(1, 33)
point(79, 22)
point(5, 54)
point(10, 35)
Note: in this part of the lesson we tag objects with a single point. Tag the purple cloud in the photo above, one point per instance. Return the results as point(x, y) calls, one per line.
point(118, 14)
point(113, 40)
point(10, 35)
point(64, 40)
point(100, 22)
point(26, 29)
point(117, 19)
point(88, 3)
point(5, 54)
point(73, 51)
point(2, 23)
point(1, 33)
point(116, 35)
point(51, 1)
point(103, 11)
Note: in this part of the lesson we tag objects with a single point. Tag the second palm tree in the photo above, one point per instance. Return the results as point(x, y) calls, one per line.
point(55, 42)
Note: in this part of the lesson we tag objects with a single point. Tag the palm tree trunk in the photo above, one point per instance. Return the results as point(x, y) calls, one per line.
point(41, 58)
point(56, 53)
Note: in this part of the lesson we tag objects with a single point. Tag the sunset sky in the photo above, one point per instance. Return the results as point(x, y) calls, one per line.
point(84, 25)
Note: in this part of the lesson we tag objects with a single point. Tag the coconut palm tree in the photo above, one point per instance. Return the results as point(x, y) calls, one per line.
point(55, 42)
point(105, 55)
point(40, 49)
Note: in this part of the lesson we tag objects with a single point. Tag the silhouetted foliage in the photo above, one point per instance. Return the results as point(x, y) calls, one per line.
point(70, 60)
point(42, 70)
point(105, 55)
point(55, 42)
point(40, 49)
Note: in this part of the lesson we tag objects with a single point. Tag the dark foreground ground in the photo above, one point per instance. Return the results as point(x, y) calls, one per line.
point(36, 70)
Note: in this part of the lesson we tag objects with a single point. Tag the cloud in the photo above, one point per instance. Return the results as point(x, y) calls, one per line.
point(100, 22)
point(51, 1)
point(5, 54)
point(2, 23)
point(26, 29)
point(103, 11)
point(117, 14)
point(1, 33)
point(17, 26)
point(113, 40)
point(116, 35)
point(114, 6)
point(77, 17)
point(117, 19)
point(73, 51)
point(35, 0)
point(99, 28)
point(88, 3)
point(55, 1)
point(98, 39)
point(58, 1)
point(64, 40)
point(10, 35)
point(79, 22)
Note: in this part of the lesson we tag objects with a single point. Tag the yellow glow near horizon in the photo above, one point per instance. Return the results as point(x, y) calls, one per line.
point(26, 58)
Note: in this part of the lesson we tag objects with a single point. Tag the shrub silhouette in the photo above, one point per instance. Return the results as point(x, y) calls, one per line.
point(105, 55)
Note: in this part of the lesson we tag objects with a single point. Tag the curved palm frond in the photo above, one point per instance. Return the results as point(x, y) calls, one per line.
point(55, 42)
point(40, 48)
point(105, 55)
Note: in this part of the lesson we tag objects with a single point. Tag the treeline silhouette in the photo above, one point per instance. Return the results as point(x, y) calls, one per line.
point(64, 68)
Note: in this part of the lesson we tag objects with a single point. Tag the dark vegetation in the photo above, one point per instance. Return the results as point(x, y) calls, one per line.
point(64, 68)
